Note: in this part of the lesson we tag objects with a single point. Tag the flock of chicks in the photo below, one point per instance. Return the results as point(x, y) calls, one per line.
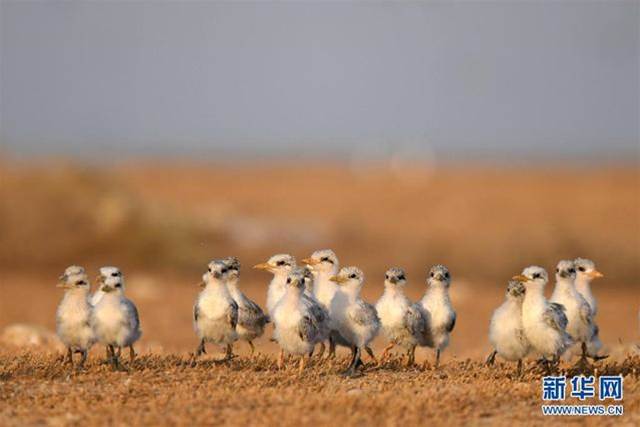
point(320, 304)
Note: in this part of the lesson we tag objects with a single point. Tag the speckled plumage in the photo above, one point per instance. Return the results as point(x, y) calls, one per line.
point(544, 323)
point(251, 319)
point(437, 308)
point(506, 332)
point(402, 322)
point(73, 316)
point(215, 313)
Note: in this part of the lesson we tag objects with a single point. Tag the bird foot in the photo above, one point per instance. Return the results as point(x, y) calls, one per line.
point(598, 358)
point(583, 364)
point(352, 373)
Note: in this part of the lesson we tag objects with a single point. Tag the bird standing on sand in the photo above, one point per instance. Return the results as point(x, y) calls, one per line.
point(403, 323)
point(115, 318)
point(280, 266)
point(356, 320)
point(439, 313)
point(580, 321)
point(544, 323)
point(251, 318)
point(295, 329)
point(319, 315)
point(73, 317)
point(585, 273)
point(506, 332)
point(215, 313)
point(324, 264)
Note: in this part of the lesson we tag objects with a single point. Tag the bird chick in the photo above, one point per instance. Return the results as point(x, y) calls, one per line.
point(403, 323)
point(296, 330)
point(356, 320)
point(319, 314)
point(544, 323)
point(585, 274)
point(324, 265)
point(251, 318)
point(115, 318)
point(215, 313)
point(506, 332)
point(579, 316)
point(73, 316)
point(280, 266)
point(436, 305)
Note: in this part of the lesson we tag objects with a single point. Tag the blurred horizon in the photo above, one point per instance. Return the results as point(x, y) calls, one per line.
point(426, 82)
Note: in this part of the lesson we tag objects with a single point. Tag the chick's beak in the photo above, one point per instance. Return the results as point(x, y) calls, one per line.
point(263, 266)
point(310, 261)
point(61, 285)
point(595, 274)
point(338, 279)
point(521, 278)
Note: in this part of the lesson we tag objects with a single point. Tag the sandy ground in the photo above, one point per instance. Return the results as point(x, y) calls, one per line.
point(37, 389)
point(162, 387)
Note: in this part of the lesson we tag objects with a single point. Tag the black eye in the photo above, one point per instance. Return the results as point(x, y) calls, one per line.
point(209, 269)
point(352, 276)
point(324, 258)
point(224, 270)
point(401, 277)
point(280, 263)
point(431, 274)
point(572, 270)
point(536, 275)
point(114, 274)
point(82, 282)
point(386, 276)
point(446, 274)
point(118, 285)
point(581, 269)
point(289, 280)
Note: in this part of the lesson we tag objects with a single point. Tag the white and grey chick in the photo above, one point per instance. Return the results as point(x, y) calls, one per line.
point(296, 330)
point(580, 318)
point(215, 313)
point(506, 332)
point(115, 318)
point(320, 315)
point(324, 265)
point(73, 316)
point(280, 266)
point(437, 307)
point(586, 273)
point(403, 323)
point(544, 323)
point(356, 320)
point(251, 318)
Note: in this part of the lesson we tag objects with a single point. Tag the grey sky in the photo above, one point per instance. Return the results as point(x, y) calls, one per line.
point(203, 77)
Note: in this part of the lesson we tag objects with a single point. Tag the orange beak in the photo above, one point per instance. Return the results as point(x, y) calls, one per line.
point(263, 266)
point(595, 274)
point(338, 279)
point(310, 261)
point(521, 278)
